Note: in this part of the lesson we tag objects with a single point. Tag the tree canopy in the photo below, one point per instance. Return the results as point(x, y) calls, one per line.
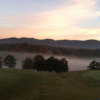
point(27, 63)
point(94, 65)
point(10, 61)
point(42, 64)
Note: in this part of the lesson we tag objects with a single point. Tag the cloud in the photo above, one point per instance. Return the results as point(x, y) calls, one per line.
point(64, 20)
point(60, 23)
point(69, 15)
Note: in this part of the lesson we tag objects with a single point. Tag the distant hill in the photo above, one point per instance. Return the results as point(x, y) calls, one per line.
point(88, 44)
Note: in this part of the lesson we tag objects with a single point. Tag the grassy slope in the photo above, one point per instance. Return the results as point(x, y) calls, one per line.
point(30, 85)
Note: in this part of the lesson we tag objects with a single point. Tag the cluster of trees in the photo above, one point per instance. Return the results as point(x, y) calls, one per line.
point(38, 63)
point(94, 65)
point(51, 64)
point(22, 47)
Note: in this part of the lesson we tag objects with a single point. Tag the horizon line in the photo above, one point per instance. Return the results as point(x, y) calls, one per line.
point(48, 39)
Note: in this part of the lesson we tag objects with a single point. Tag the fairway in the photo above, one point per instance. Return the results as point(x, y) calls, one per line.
point(31, 85)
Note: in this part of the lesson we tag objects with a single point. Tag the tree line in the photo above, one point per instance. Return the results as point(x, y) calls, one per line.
point(38, 63)
point(23, 47)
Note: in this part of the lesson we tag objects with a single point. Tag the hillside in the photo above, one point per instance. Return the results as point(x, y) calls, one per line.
point(30, 85)
point(88, 44)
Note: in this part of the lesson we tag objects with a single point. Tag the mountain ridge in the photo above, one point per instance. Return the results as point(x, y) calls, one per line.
point(88, 44)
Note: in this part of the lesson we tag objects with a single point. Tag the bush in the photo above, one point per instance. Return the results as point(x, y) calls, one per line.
point(10, 61)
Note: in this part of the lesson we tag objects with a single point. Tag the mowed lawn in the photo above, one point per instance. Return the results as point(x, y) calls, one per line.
point(30, 85)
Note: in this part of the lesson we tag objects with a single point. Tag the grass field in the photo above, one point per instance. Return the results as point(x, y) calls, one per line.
point(30, 85)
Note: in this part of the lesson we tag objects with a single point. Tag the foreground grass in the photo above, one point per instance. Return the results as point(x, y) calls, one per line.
point(30, 85)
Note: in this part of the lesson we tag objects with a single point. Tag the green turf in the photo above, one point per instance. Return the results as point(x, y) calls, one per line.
point(30, 85)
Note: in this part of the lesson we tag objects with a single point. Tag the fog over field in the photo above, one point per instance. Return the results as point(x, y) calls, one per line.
point(75, 63)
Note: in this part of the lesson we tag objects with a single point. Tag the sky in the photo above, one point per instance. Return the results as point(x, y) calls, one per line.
point(55, 19)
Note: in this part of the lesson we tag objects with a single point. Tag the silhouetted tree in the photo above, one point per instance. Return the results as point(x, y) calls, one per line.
point(54, 64)
point(39, 63)
point(64, 65)
point(50, 64)
point(94, 65)
point(27, 63)
point(10, 61)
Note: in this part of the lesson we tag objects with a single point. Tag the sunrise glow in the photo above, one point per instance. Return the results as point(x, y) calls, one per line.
point(56, 19)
